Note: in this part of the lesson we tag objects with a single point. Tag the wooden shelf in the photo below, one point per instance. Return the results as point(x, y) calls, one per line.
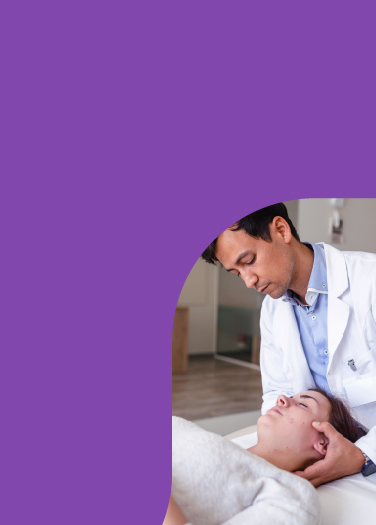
point(180, 341)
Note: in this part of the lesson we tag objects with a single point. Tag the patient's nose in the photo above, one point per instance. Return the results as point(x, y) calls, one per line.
point(283, 401)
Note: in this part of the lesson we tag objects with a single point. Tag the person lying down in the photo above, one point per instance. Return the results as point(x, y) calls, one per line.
point(214, 481)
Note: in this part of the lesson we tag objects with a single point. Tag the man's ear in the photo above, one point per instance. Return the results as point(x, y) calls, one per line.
point(280, 226)
point(321, 444)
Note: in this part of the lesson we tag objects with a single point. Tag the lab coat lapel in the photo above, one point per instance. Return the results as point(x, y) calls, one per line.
point(338, 315)
point(295, 363)
point(338, 311)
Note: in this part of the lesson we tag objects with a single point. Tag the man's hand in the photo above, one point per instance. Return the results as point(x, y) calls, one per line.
point(342, 458)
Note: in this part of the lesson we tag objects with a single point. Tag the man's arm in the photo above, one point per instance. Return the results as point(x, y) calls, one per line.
point(343, 458)
point(274, 380)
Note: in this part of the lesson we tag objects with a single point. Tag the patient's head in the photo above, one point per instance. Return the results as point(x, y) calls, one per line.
point(286, 430)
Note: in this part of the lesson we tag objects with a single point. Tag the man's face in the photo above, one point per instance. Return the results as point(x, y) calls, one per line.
point(266, 266)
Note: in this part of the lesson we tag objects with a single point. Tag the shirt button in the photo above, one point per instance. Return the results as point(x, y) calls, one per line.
point(323, 285)
point(313, 318)
point(326, 352)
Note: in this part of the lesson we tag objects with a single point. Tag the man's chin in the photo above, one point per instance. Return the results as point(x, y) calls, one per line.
point(277, 293)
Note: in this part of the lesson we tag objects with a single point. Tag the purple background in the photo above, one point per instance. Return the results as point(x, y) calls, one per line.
point(132, 133)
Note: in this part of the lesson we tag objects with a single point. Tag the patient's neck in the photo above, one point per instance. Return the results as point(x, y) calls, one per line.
point(284, 458)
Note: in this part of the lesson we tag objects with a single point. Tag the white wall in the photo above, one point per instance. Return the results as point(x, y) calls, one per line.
point(293, 211)
point(195, 289)
point(200, 295)
point(359, 219)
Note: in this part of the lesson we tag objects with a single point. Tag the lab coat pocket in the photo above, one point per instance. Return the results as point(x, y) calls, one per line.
point(361, 386)
point(367, 363)
point(361, 389)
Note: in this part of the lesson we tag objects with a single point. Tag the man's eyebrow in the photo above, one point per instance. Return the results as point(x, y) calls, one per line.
point(240, 257)
point(303, 396)
point(243, 254)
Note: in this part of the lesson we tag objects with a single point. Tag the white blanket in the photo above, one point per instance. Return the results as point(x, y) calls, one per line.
point(345, 501)
point(215, 481)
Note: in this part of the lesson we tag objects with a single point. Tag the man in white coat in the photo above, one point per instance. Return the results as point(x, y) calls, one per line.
point(318, 325)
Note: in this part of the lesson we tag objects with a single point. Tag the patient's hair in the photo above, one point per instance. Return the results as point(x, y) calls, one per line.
point(340, 417)
point(256, 225)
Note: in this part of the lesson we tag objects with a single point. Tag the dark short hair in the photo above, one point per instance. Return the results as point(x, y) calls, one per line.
point(256, 225)
point(340, 417)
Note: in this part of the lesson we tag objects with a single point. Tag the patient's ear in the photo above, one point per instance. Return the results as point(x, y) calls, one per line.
point(321, 445)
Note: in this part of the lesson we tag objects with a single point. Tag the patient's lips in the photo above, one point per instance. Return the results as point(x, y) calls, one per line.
point(275, 409)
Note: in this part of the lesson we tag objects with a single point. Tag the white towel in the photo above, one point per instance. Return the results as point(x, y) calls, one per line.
point(214, 481)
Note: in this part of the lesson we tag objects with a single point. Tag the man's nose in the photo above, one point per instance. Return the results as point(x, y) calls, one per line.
point(283, 401)
point(250, 280)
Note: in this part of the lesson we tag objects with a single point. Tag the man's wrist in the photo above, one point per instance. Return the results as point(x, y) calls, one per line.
point(360, 459)
point(369, 467)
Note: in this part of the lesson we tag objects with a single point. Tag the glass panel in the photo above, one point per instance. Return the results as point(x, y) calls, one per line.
point(238, 333)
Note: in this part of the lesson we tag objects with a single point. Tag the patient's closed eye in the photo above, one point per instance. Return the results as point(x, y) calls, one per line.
point(303, 405)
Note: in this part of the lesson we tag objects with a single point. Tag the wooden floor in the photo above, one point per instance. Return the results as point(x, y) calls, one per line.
point(213, 388)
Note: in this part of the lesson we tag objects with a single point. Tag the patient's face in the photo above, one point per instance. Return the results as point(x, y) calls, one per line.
point(288, 425)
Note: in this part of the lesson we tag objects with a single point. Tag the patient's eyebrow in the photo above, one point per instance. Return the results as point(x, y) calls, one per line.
point(303, 396)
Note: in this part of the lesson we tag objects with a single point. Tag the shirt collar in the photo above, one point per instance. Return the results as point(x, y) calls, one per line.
point(318, 282)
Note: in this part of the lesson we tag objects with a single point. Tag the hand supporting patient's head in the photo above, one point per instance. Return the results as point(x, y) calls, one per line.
point(286, 430)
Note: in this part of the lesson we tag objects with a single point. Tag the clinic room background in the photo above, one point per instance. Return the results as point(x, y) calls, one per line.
point(216, 379)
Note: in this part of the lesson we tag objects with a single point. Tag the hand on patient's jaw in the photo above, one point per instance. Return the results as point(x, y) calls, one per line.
point(343, 458)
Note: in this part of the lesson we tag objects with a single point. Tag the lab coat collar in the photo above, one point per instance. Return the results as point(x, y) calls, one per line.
point(338, 281)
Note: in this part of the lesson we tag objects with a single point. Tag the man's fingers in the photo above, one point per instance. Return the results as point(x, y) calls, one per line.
point(326, 428)
point(310, 472)
point(315, 481)
point(316, 471)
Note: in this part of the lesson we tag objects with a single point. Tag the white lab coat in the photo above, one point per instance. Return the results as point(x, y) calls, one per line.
point(351, 335)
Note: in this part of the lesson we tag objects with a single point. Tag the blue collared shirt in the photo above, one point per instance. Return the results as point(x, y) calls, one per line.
point(313, 319)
